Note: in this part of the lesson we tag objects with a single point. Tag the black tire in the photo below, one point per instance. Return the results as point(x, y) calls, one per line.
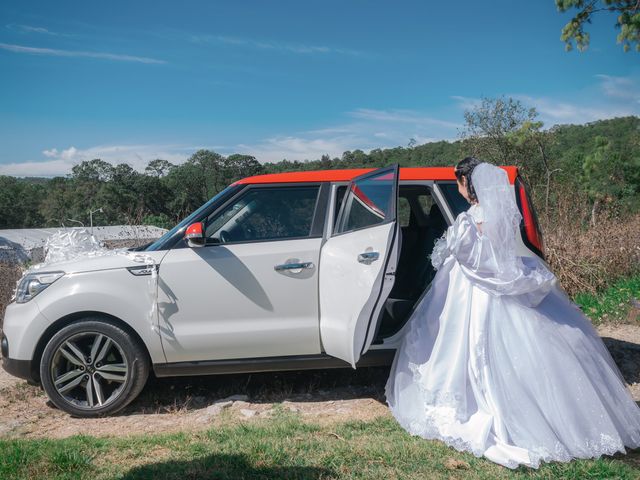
point(80, 387)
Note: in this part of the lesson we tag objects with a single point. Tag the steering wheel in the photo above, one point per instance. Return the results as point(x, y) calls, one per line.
point(224, 236)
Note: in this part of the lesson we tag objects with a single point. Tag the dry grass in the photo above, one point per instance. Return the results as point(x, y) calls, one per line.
point(9, 275)
point(589, 258)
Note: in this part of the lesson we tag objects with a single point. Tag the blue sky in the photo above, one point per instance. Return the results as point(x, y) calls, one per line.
point(130, 81)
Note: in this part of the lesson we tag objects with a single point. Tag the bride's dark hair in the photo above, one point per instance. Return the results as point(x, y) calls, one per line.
point(464, 169)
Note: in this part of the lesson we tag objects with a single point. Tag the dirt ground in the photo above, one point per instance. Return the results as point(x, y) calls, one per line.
point(193, 403)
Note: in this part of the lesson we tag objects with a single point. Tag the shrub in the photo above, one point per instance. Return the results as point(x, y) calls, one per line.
point(588, 258)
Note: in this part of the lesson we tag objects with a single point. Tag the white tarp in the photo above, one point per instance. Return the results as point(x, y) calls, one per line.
point(71, 244)
point(20, 245)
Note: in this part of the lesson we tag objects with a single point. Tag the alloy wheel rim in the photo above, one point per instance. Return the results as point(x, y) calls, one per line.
point(89, 370)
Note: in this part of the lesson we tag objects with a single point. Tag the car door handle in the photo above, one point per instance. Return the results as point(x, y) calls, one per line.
point(368, 257)
point(293, 266)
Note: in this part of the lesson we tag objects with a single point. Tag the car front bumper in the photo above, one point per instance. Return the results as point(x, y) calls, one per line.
point(20, 369)
point(23, 325)
point(17, 368)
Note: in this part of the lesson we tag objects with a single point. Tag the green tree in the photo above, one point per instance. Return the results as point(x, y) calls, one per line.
point(95, 170)
point(154, 195)
point(19, 202)
point(84, 191)
point(57, 207)
point(491, 125)
point(535, 144)
point(238, 166)
point(121, 198)
point(158, 167)
point(210, 166)
point(186, 191)
point(605, 175)
point(161, 220)
point(627, 21)
point(504, 131)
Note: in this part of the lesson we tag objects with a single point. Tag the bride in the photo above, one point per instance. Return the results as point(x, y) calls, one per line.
point(497, 360)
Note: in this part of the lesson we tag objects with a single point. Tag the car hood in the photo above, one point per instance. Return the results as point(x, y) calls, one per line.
point(103, 261)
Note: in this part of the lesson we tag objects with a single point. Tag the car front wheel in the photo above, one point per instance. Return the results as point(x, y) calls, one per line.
point(93, 368)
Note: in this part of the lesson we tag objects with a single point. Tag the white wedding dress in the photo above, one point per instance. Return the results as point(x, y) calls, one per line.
point(510, 370)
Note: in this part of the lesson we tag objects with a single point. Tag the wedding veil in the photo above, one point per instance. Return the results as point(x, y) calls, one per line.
point(501, 215)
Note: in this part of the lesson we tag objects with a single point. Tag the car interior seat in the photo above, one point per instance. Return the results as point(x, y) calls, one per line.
point(414, 272)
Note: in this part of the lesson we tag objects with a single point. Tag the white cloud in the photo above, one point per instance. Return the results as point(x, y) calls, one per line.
point(554, 111)
point(402, 116)
point(32, 29)
point(466, 103)
point(50, 153)
point(625, 88)
point(369, 129)
point(28, 28)
point(270, 45)
point(48, 168)
point(60, 162)
point(78, 53)
point(610, 97)
point(68, 154)
point(300, 148)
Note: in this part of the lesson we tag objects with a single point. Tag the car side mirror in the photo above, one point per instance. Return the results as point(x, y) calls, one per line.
point(194, 235)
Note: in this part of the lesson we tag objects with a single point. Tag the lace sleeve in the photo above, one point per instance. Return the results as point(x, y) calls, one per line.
point(444, 246)
point(440, 251)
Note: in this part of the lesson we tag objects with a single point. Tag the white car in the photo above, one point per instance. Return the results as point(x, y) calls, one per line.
point(285, 271)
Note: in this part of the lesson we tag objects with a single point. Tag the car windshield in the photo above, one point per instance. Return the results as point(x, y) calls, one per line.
point(187, 221)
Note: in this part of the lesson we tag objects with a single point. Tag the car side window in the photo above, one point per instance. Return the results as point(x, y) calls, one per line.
point(369, 202)
point(404, 211)
point(425, 201)
point(456, 201)
point(268, 213)
point(340, 191)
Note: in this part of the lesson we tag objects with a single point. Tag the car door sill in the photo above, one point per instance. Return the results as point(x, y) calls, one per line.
point(376, 357)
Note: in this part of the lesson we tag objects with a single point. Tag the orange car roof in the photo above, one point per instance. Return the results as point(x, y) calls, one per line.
point(406, 173)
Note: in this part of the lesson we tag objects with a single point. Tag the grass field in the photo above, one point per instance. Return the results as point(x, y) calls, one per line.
point(279, 448)
point(285, 447)
point(618, 303)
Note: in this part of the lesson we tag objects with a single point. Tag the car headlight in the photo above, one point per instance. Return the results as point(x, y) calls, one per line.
point(34, 283)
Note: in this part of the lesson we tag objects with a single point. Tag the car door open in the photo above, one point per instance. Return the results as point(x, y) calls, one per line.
point(357, 264)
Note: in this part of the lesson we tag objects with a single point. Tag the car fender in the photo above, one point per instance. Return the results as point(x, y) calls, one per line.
point(116, 293)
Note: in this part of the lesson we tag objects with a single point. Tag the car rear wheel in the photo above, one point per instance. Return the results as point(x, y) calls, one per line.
point(93, 368)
